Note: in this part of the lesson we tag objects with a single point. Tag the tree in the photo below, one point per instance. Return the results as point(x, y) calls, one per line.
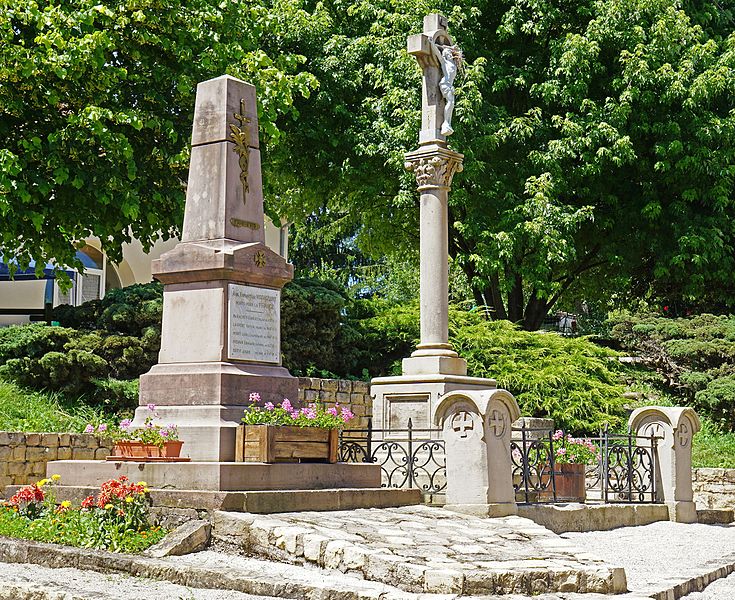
point(96, 105)
point(599, 140)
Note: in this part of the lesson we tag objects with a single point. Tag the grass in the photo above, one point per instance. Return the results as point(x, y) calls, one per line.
point(23, 410)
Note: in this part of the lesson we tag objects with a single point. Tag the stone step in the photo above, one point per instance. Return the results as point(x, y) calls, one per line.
point(199, 571)
point(261, 501)
point(422, 549)
point(715, 516)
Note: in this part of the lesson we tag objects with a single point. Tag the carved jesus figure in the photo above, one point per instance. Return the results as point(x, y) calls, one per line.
point(450, 59)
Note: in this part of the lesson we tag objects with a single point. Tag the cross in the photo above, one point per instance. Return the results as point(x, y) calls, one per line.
point(683, 434)
point(463, 422)
point(497, 423)
point(423, 47)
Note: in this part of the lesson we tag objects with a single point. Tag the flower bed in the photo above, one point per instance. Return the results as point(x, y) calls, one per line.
point(116, 519)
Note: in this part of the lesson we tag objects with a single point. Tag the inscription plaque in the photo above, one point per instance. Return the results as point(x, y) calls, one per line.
point(254, 324)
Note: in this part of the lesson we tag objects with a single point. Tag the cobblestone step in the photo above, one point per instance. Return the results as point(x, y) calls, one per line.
point(423, 549)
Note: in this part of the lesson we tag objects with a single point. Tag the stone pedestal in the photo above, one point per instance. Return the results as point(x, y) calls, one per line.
point(676, 427)
point(476, 427)
point(220, 336)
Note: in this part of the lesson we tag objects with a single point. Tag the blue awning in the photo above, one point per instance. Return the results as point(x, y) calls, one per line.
point(29, 274)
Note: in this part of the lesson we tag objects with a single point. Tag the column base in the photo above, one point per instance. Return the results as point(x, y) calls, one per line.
point(416, 397)
point(418, 364)
point(682, 512)
point(502, 509)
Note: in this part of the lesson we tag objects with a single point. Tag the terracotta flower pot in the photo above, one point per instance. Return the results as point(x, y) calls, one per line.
point(143, 451)
point(569, 480)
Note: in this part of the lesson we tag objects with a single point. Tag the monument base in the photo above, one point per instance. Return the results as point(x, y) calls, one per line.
point(504, 509)
point(416, 397)
point(682, 512)
point(220, 476)
point(207, 401)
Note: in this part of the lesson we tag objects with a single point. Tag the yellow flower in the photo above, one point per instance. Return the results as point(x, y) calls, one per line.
point(66, 504)
point(129, 499)
point(55, 477)
point(108, 506)
point(143, 483)
point(42, 482)
point(146, 490)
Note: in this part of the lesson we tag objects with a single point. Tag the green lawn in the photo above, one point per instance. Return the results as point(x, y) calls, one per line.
point(22, 410)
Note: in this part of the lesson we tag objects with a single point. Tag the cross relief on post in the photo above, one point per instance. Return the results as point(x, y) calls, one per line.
point(497, 423)
point(683, 434)
point(462, 422)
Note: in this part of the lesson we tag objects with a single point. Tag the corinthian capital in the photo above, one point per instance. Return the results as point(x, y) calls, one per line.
point(434, 166)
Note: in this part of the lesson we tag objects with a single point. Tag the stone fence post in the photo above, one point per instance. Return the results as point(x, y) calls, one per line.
point(677, 426)
point(476, 427)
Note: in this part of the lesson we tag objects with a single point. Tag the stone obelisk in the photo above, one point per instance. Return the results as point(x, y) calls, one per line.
point(220, 337)
point(434, 368)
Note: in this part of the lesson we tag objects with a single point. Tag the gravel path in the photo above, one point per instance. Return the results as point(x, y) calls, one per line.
point(651, 553)
point(16, 580)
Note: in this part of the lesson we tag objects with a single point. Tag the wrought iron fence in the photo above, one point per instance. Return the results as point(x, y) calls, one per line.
point(407, 459)
point(625, 470)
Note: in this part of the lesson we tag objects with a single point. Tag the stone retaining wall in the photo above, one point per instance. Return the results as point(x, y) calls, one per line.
point(353, 394)
point(23, 456)
point(714, 488)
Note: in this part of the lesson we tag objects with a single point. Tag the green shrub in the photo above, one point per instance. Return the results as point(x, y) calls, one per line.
point(571, 380)
point(694, 355)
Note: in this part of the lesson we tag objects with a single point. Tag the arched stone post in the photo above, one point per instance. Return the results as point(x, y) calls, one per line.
point(677, 426)
point(476, 427)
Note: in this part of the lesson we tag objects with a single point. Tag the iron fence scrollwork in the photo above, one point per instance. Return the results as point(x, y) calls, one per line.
point(404, 459)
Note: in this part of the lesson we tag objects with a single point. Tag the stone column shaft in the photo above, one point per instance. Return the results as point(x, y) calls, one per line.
point(434, 274)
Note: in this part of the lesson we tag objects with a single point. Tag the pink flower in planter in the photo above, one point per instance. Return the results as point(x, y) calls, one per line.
point(332, 411)
point(309, 413)
point(286, 405)
point(347, 414)
point(102, 427)
point(89, 428)
point(254, 397)
point(151, 407)
point(269, 406)
point(164, 433)
point(125, 423)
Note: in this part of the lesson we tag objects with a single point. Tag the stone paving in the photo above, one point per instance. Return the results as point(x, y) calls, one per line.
point(423, 549)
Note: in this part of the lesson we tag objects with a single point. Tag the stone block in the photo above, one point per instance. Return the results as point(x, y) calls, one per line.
point(5, 480)
point(342, 397)
point(81, 453)
point(314, 546)
point(359, 410)
point(4, 467)
point(64, 439)
point(329, 385)
point(311, 395)
point(18, 468)
point(19, 453)
point(64, 453)
point(344, 385)
point(6, 453)
point(39, 454)
point(361, 387)
point(101, 453)
point(33, 439)
point(185, 539)
point(50, 440)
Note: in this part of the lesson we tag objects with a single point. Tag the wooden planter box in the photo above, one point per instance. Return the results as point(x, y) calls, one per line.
point(141, 451)
point(282, 443)
point(570, 484)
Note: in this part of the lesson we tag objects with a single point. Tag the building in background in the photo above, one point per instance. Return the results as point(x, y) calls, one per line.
point(28, 298)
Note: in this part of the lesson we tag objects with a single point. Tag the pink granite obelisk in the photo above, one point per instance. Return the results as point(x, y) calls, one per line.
point(220, 338)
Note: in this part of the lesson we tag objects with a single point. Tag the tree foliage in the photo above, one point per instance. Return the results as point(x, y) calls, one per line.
point(599, 144)
point(96, 106)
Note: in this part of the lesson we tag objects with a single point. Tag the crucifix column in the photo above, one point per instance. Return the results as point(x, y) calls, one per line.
point(434, 368)
point(434, 166)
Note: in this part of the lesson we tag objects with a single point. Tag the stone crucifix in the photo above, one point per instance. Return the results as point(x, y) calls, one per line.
point(434, 165)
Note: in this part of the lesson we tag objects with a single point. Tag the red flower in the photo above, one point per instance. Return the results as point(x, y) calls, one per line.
point(88, 502)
